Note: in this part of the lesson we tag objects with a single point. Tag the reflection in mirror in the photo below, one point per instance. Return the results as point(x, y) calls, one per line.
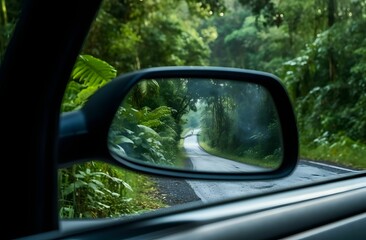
point(210, 125)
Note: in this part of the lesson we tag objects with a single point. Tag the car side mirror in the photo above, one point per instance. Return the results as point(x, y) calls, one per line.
point(192, 122)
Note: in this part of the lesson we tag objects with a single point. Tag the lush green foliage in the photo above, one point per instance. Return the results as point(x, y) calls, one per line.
point(318, 49)
point(96, 189)
point(148, 125)
point(126, 32)
point(326, 82)
point(88, 75)
point(145, 134)
point(240, 119)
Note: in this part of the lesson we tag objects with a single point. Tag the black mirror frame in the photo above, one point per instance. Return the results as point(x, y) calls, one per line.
point(84, 133)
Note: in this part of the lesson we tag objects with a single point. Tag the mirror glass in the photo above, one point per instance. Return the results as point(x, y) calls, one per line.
point(210, 125)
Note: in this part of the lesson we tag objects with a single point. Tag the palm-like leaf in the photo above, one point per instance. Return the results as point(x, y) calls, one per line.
point(93, 71)
point(148, 87)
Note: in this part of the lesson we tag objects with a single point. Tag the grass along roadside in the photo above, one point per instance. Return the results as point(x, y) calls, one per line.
point(145, 195)
point(341, 154)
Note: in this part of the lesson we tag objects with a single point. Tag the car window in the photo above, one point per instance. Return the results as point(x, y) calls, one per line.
point(316, 48)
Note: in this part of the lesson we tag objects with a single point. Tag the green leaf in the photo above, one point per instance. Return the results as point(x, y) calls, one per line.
point(124, 139)
point(79, 175)
point(103, 205)
point(93, 71)
point(148, 130)
point(94, 187)
point(99, 183)
point(98, 191)
point(126, 185)
point(73, 186)
point(84, 94)
point(114, 194)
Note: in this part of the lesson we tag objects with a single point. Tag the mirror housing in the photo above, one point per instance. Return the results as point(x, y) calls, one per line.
point(85, 133)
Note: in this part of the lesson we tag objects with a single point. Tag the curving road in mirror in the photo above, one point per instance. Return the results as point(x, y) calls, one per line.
point(203, 161)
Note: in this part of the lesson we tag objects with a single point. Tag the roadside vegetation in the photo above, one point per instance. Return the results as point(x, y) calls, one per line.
point(98, 190)
point(316, 47)
point(344, 152)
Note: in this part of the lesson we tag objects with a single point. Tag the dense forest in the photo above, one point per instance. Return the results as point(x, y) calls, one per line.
point(316, 47)
point(231, 117)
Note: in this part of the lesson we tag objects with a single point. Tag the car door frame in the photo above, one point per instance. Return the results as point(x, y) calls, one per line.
point(33, 77)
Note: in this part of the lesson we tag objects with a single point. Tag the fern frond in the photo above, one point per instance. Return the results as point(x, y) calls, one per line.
point(93, 71)
point(148, 131)
point(159, 112)
point(150, 87)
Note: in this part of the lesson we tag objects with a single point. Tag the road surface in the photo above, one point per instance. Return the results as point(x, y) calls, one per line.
point(203, 161)
point(306, 172)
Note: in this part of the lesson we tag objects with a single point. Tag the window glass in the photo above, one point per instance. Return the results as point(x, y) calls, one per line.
point(317, 48)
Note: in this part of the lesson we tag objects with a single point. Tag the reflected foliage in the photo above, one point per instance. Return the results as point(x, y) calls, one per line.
point(234, 117)
point(148, 124)
point(240, 119)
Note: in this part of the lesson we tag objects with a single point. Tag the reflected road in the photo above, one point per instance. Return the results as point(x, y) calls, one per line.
point(202, 161)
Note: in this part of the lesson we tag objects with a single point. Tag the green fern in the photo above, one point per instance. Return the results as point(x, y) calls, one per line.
point(92, 71)
point(88, 75)
point(148, 87)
